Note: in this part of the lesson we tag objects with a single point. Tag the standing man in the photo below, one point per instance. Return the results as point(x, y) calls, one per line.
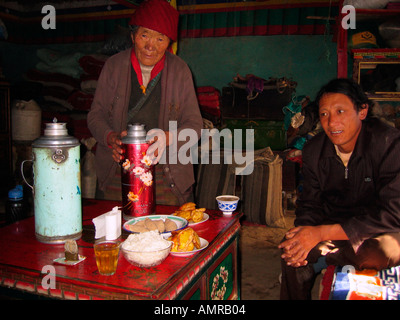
point(349, 210)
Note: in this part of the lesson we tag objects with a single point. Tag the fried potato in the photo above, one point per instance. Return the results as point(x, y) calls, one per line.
point(196, 241)
point(189, 246)
point(188, 206)
point(174, 247)
point(189, 212)
point(184, 240)
point(184, 214)
point(197, 215)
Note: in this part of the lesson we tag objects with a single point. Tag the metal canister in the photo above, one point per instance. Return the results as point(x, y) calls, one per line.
point(137, 174)
point(57, 185)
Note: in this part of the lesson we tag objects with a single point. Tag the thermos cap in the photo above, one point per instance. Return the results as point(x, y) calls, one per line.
point(16, 193)
point(55, 134)
point(56, 129)
point(135, 134)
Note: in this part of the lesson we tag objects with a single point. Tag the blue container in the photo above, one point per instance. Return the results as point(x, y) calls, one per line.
point(15, 207)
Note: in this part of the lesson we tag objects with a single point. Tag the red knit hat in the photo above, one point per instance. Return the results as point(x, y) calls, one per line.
point(157, 15)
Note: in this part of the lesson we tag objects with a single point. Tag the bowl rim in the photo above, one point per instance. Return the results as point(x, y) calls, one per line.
point(132, 221)
point(227, 201)
point(136, 251)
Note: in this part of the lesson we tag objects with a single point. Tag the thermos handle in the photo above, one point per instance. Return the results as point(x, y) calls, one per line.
point(22, 172)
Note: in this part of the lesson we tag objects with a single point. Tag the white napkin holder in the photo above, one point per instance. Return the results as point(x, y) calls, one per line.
point(108, 225)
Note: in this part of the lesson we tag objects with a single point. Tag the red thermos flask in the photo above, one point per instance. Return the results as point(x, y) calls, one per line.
point(137, 174)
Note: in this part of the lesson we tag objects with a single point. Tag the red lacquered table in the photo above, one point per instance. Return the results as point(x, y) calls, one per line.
point(26, 264)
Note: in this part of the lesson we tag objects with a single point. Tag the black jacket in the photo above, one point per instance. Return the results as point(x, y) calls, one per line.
point(363, 198)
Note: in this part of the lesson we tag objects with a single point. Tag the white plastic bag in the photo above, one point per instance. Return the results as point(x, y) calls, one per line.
point(89, 177)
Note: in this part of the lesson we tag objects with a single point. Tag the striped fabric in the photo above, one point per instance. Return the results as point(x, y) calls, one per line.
point(255, 18)
point(260, 192)
point(213, 180)
point(197, 19)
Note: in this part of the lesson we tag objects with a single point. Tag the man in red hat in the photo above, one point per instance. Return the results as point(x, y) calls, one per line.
point(145, 84)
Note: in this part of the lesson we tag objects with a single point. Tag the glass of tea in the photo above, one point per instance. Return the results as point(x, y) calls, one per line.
point(107, 253)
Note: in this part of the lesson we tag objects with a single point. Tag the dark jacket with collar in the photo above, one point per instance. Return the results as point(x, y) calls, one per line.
point(363, 198)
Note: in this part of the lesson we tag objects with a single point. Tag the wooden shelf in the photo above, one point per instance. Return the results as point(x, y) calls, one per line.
point(376, 15)
point(369, 14)
point(370, 60)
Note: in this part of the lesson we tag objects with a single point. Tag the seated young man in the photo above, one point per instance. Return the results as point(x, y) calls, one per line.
point(349, 209)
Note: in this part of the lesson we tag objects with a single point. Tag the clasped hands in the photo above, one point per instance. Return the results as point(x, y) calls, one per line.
point(157, 138)
point(299, 242)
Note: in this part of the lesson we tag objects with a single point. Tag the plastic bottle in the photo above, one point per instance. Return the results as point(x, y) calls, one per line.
point(15, 208)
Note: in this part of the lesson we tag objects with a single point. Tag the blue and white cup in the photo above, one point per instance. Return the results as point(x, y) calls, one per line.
point(227, 203)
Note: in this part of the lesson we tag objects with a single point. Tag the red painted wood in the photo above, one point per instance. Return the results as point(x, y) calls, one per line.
point(22, 258)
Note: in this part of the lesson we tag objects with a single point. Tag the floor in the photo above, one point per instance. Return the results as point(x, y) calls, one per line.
point(260, 260)
point(261, 263)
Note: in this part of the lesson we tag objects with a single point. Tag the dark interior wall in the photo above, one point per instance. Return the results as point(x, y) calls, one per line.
point(19, 58)
point(308, 60)
point(268, 39)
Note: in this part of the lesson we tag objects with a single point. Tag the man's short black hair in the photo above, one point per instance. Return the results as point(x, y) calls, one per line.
point(349, 88)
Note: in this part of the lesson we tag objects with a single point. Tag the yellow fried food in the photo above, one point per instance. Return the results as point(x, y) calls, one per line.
point(196, 240)
point(189, 212)
point(184, 240)
point(184, 214)
point(188, 206)
point(197, 215)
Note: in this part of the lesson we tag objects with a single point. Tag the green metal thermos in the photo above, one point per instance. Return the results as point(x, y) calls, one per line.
point(56, 185)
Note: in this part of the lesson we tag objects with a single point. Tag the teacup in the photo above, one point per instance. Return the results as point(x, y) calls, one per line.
point(227, 203)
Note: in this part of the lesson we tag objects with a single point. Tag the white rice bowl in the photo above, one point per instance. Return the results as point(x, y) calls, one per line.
point(147, 249)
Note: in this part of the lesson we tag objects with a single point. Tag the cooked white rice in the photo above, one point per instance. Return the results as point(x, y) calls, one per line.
point(145, 242)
